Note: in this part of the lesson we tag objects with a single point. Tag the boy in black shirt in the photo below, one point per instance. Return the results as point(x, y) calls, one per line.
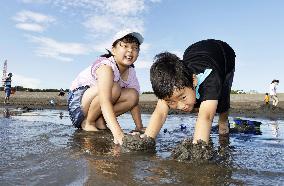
point(203, 79)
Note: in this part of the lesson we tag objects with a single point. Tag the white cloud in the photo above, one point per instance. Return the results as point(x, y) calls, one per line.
point(34, 1)
point(145, 47)
point(26, 16)
point(99, 24)
point(124, 7)
point(27, 82)
point(30, 27)
point(102, 46)
point(155, 1)
point(58, 50)
point(101, 18)
point(32, 21)
point(143, 63)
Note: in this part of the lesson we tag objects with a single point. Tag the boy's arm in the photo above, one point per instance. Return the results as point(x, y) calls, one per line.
point(203, 124)
point(157, 119)
point(136, 115)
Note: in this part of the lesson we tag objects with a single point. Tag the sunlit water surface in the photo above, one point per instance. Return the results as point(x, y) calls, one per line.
point(43, 148)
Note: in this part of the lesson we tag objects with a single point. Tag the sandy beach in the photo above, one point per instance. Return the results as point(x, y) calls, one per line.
point(246, 105)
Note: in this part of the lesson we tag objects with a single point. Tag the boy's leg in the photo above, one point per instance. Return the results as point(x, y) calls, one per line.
point(273, 100)
point(223, 123)
point(276, 100)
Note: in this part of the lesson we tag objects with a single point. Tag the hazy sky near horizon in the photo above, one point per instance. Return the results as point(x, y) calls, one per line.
point(48, 42)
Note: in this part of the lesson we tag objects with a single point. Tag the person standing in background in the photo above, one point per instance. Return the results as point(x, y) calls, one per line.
point(266, 99)
point(7, 87)
point(273, 94)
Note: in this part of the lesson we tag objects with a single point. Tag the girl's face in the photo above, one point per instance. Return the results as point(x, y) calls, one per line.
point(182, 99)
point(125, 54)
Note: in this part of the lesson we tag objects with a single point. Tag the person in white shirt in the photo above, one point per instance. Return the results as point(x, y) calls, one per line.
point(272, 90)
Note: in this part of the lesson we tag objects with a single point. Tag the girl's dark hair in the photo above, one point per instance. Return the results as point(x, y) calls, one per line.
point(169, 73)
point(126, 39)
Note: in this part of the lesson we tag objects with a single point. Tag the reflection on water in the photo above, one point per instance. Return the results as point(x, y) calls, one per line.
point(275, 129)
point(6, 113)
point(42, 148)
point(60, 115)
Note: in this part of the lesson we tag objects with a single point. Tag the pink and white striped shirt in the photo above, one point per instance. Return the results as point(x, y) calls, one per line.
point(88, 75)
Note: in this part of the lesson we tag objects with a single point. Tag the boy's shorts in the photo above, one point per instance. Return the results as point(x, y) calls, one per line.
point(76, 113)
point(229, 55)
point(8, 92)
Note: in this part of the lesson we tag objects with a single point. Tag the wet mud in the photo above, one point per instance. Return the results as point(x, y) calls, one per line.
point(132, 143)
point(186, 151)
point(45, 145)
point(96, 143)
point(101, 143)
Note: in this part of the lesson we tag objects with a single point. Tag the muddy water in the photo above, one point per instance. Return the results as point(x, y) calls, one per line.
point(42, 148)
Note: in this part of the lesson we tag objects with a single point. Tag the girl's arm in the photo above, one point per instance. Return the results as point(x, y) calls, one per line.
point(203, 124)
point(157, 119)
point(105, 83)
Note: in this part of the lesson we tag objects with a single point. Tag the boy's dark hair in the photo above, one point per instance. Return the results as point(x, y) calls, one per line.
point(266, 93)
point(126, 39)
point(275, 80)
point(168, 73)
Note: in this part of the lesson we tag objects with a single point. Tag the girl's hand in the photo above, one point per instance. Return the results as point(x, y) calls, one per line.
point(118, 139)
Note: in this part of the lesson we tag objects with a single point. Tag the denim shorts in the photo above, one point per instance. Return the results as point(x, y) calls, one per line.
point(8, 92)
point(76, 113)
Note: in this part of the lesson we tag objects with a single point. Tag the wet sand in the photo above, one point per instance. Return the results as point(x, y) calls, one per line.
point(42, 148)
point(243, 105)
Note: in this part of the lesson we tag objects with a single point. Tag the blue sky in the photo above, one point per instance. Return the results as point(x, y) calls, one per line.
point(48, 42)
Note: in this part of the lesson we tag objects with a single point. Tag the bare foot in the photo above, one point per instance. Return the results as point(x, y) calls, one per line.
point(224, 129)
point(88, 126)
point(101, 124)
point(138, 131)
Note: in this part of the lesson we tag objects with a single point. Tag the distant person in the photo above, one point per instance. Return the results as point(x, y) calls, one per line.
point(108, 88)
point(7, 88)
point(273, 94)
point(266, 99)
point(202, 79)
point(61, 93)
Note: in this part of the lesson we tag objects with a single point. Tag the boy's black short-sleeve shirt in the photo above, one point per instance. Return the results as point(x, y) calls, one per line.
point(220, 57)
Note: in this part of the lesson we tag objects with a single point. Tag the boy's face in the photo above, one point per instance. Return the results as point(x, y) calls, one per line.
point(182, 99)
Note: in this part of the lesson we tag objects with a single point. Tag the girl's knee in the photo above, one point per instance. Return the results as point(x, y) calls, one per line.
point(116, 92)
point(133, 96)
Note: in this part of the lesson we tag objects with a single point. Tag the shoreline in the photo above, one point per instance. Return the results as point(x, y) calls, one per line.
point(242, 105)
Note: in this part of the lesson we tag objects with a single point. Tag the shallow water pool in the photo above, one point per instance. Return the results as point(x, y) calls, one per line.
point(43, 148)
